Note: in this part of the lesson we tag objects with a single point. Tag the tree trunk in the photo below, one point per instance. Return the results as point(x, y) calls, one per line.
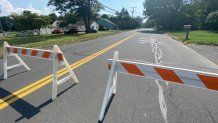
point(86, 23)
point(2, 28)
point(37, 31)
point(89, 15)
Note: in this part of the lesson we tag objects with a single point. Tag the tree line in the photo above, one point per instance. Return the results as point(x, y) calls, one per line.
point(88, 10)
point(173, 14)
point(70, 11)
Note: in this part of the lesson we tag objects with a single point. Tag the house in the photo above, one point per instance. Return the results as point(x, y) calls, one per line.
point(106, 23)
point(43, 31)
point(56, 23)
point(80, 26)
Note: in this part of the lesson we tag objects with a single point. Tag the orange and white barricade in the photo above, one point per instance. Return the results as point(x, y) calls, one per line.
point(55, 55)
point(189, 77)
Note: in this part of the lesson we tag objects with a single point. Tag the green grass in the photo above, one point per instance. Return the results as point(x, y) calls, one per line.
point(44, 41)
point(196, 37)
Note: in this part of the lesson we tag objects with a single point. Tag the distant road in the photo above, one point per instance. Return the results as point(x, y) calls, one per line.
point(137, 99)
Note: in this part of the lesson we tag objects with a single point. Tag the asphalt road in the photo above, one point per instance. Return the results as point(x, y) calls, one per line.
point(136, 100)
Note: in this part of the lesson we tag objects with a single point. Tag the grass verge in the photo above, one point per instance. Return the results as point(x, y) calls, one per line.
point(197, 37)
point(44, 41)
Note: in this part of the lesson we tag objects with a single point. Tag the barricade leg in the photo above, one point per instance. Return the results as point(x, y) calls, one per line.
point(5, 61)
point(67, 65)
point(57, 82)
point(72, 74)
point(55, 76)
point(115, 83)
point(21, 61)
point(111, 86)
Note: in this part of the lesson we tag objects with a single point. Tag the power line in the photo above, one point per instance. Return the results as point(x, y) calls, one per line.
point(108, 8)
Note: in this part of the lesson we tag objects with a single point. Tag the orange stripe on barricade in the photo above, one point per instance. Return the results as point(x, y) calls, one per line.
point(168, 75)
point(209, 81)
point(60, 56)
point(46, 54)
point(132, 69)
point(15, 50)
point(34, 52)
point(24, 51)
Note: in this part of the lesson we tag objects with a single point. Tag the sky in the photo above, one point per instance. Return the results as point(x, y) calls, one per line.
point(40, 6)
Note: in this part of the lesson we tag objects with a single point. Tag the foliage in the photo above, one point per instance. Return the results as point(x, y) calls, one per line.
point(86, 9)
point(30, 22)
point(212, 20)
point(6, 22)
point(173, 14)
point(124, 21)
point(105, 16)
point(53, 17)
point(68, 18)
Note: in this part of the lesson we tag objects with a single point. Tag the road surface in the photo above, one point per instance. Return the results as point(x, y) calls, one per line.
point(26, 95)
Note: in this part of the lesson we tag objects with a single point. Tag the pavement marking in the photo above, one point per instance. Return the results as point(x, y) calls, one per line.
point(6, 101)
point(158, 60)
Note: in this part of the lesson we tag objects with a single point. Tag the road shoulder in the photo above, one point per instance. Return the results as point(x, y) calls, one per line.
point(210, 52)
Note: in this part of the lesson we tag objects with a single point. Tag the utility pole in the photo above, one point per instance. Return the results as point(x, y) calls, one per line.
point(133, 10)
point(1, 25)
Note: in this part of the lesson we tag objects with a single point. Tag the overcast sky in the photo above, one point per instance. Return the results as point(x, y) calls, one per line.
point(40, 6)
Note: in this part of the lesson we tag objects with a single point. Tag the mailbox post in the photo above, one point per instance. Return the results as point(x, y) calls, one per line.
point(187, 28)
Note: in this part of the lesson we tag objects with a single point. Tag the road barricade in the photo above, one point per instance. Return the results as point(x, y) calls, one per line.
point(189, 77)
point(55, 55)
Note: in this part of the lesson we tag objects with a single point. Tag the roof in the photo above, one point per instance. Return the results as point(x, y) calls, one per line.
point(82, 22)
point(106, 23)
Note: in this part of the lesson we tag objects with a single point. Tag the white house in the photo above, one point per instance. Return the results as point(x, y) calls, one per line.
point(94, 25)
point(80, 26)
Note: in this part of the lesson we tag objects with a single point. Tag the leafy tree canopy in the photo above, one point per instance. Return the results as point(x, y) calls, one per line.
point(86, 9)
point(30, 22)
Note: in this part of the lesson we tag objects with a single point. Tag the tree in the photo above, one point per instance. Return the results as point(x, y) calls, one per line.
point(172, 14)
point(212, 20)
point(124, 21)
point(53, 17)
point(6, 22)
point(123, 14)
point(68, 18)
point(205, 7)
point(105, 16)
point(30, 22)
point(139, 19)
point(86, 9)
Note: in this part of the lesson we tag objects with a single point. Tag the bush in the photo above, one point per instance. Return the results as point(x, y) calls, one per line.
point(212, 20)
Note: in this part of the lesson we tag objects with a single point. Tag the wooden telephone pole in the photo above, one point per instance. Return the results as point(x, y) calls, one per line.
point(133, 10)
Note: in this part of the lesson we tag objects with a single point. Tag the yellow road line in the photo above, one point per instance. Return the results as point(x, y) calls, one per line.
point(6, 101)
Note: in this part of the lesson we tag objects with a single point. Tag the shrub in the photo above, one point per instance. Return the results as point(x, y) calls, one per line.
point(212, 20)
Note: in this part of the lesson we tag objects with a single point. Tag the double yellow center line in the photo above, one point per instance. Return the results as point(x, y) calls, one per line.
point(6, 101)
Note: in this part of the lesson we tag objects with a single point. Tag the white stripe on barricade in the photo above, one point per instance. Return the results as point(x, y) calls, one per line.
point(56, 56)
point(189, 77)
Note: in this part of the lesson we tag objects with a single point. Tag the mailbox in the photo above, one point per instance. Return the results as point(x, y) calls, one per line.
point(187, 27)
